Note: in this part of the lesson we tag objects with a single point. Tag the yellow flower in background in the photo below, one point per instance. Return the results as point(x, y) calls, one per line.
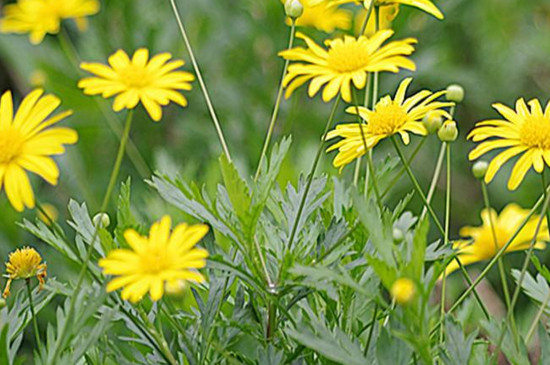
point(27, 143)
point(403, 290)
point(346, 60)
point(154, 82)
point(324, 16)
point(155, 262)
point(386, 16)
point(48, 214)
point(482, 246)
point(399, 115)
point(24, 263)
point(424, 5)
point(525, 132)
point(40, 17)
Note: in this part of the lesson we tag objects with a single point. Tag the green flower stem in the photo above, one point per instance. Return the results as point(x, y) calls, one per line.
point(502, 271)
point(311, 174)
point(277, 104)
point(200, 80)
point(515, 296)
point(445, 147)
point(416, 185)
point(90, 250)
point(435, 178)
point(33, 313)
point(132, 151)
point(366, 21)
point(402, 170)
point(533, 326)
point(371, 330)
point(365, 104)
point(159, 338)
point(499, 254)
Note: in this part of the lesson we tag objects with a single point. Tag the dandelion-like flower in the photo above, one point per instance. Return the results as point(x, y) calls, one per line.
point(346, 60)
point(324, 16)
point(399, 115)
point(481, 245)
point(424, 5)
point(154, 82)
point(154, 262)
point(524, 131)
point(24, 263)
point(403, 290)
point(27, 143)
point(40, 17)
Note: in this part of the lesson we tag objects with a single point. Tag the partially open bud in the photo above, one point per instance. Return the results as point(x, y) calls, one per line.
point(403, 290)
point(480, 169)
point(432, 121)
point(448, 131)
point(455, 93)
point(294, 9)
point(175, 288)
point(102, 220)
point(2, 303)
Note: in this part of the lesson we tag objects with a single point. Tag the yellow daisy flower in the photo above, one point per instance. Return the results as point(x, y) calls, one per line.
point(403, 290)
point(482, 246)
point(424, 5)
point(525, 131)
point(386, 16)
point(27, 144)
point(156, 261)
point(24, 263)
point(399, 115)
point(347, 60)
point(39, 17)
point(153, 82)
point(324, 16)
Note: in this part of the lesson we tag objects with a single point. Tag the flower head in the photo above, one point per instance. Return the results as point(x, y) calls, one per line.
point(524, 131)
point(346, 60)
point(403, 290)
point(399, 115)
point(481, 245)
point(27, 143)
point(24, 263)
point(324, 16)
point(40, 17)
point(154, 82)
point(153, 262)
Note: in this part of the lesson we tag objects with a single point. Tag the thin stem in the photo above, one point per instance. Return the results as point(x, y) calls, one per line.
point(445, 147)
point(311, 174)
point(159, 338)
point(263, 263)
point(33, 313)
point(366, 21)
point(200, 80)
point(536, 319)
point(106, 199)
point(357, 171)
point(435, 178)
point(132, 151)
point(277, 104)
point(371, 330)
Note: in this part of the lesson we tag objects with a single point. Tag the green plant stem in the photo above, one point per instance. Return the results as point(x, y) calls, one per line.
point(435, 178)
point(132, 151)
point(366, 21)
point(204, 90)
point(365, 104)
point(33, 313)
point(371, 330)
point(445, 147)
point(159, 338)
point(311, 175)
point(402, 170)
point(416, 185)
point(277, 104)
point(500, 264)
point(104, 204)
point(536, 319)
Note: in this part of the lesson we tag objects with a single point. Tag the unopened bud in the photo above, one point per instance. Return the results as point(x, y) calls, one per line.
point(455, 93)
point(480, 169)
point(294, 9)
point(448, 131)
point(398, 235)
point(2, 303)
point(102, 220)
point(175, 288)
point(403, 290)
point(432, 121)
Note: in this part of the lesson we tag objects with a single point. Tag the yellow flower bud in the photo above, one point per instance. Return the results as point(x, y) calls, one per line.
point(480, 169)
point(448, 131)
point(455, 93)
point(432, 121)
point(403, 290)
point(294, 9)
point(102, 220)
point(2, 303)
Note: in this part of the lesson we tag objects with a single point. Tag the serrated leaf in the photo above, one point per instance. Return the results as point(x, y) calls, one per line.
point(390, 350)
point(457, 348)
point(237, 190)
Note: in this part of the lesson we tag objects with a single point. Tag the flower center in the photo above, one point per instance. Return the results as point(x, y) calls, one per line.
point(387, 119)
point(11, 143)
point(155, 261)
point(347, 56)
point(135, 77)
point(535, 132)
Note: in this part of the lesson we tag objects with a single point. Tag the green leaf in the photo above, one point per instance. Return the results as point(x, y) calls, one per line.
point(457, 348)
point(509, 348)
point(237, 190)
point(391, 350)
point(544, 340)
point(420, 241)
point(538, 289)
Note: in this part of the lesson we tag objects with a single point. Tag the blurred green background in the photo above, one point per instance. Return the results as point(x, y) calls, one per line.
point(497, 49)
